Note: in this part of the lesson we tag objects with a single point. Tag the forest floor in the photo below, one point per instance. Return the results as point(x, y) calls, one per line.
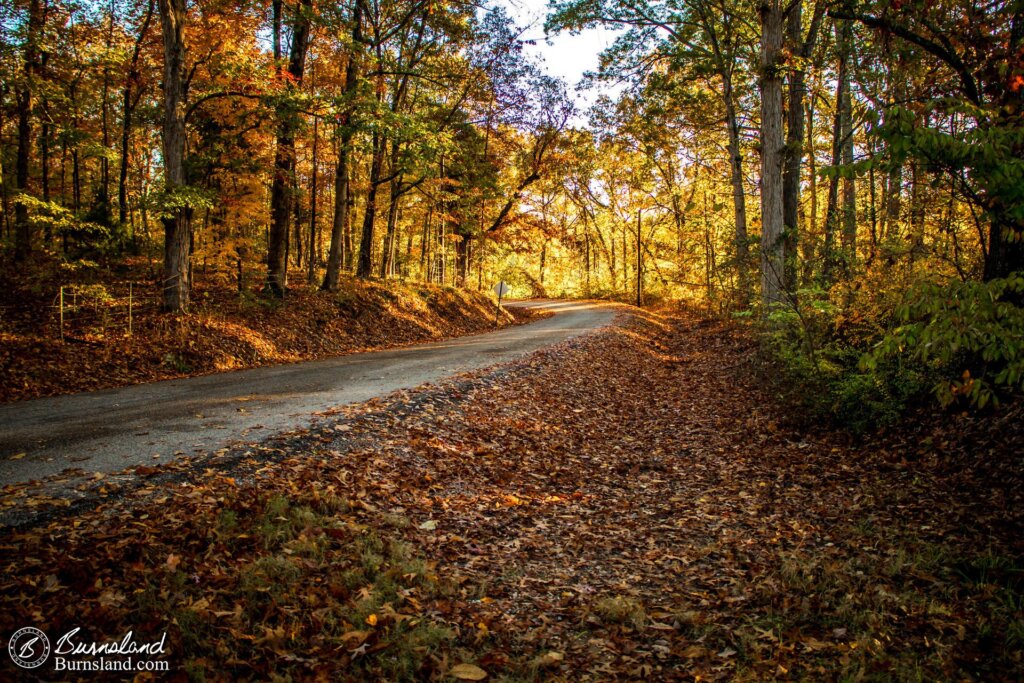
point(625, 505)
point(224, 330)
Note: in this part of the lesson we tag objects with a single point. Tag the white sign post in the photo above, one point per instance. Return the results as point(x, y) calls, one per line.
point(501, 289)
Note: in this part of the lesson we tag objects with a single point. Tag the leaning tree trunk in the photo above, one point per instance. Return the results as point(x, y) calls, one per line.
point(177, 238)
point(282, 196)
point(773, 254)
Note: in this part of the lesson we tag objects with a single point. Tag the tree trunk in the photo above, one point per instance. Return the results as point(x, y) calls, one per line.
point(849, 193)
point(1005, 250)
point(387, 256)
point(802, 48)
point(101, 202)
point(340, 249)
point(894, 182)
point(812, 173)
point(845, 42)
point(129, 101)
point(773, 247)
point(313, 190)
point(389, 231)
point(839, 127)
point(425, 244)
point(281, 194)
point(22, 229)
point(543, 262)
point(177, 236)
point(297, 224)
point(364, 269)
point(462, 257)
point(739, 199)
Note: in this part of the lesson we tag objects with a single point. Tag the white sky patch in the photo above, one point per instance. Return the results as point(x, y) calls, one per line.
point(565, 56)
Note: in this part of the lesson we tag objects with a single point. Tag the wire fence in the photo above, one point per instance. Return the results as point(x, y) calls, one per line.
point(100, 312)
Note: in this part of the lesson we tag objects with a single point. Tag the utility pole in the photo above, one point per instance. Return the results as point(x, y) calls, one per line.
point(639, 262)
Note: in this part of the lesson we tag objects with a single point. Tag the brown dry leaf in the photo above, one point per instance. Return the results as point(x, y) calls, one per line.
point(467, 672)
point(549, 659)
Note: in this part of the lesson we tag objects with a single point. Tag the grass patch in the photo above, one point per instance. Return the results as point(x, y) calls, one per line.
point(622, 610)
point(296, 585)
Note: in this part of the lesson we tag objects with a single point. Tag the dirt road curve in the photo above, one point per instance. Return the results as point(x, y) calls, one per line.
point(107, 431)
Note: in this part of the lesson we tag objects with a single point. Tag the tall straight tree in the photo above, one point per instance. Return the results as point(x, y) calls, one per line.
point(346, 132)
point(130, 101)
point(773, 245)
point(408, 30)
point(25, 102)
point(801, 47)
point(177, 228)
point(281, 193)
point(841, 149)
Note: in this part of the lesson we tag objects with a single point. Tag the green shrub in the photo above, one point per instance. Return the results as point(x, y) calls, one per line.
point(818, 368)
point(972, 333)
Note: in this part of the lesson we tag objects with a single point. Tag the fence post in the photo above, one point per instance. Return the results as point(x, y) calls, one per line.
point(62, 314)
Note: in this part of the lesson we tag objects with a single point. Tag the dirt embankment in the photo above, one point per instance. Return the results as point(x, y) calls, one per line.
point(104, 347)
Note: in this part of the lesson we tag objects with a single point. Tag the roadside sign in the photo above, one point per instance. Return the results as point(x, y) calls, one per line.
point(501, 289)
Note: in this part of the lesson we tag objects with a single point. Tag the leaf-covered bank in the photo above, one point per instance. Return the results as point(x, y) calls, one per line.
point(225, 329)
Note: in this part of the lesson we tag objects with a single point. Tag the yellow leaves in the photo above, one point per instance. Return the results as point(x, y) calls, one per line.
point(467, 672)
point(372, 620)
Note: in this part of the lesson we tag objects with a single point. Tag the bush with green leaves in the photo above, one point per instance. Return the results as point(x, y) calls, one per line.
point(971, 333)
point(818, 368)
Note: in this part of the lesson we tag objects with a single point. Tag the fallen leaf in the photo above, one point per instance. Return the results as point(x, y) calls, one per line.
point(467, 672)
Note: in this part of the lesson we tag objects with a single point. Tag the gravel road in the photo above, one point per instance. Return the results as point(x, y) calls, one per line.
point(110, 430)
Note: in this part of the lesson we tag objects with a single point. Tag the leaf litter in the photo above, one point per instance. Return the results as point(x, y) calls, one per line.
point(627, 505)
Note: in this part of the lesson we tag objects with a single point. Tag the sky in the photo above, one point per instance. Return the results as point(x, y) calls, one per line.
point(563, 55)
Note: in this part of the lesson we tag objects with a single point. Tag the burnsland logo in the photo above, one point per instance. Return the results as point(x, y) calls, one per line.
point(29, 648)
